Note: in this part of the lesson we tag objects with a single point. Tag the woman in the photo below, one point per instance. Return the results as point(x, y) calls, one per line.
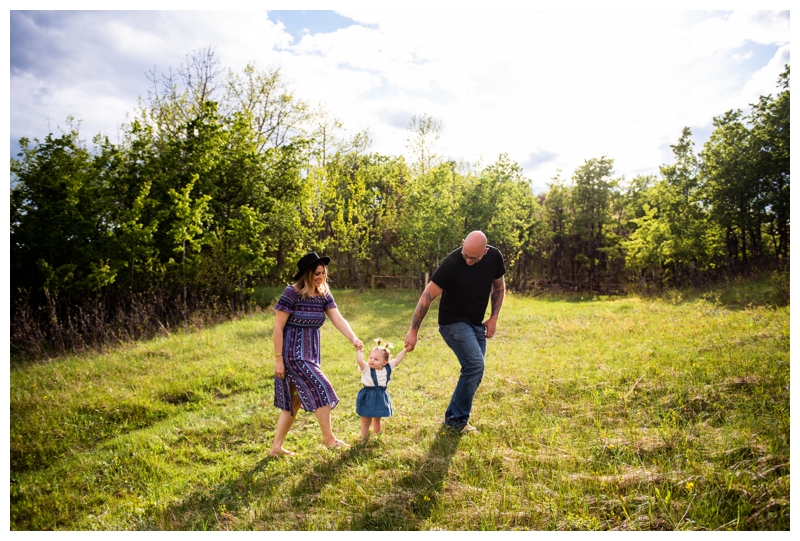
point(299, 382)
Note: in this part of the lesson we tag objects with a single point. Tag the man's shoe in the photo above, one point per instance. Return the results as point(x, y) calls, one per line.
point(469, 429)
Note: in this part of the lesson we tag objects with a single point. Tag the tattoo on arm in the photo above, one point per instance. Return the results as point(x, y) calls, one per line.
point(422, 309)
point(498, 293)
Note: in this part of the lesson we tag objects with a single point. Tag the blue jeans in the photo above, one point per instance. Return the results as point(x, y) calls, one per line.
point(468, 342)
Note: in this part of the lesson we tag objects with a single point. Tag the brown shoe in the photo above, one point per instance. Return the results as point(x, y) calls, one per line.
point(469, 429)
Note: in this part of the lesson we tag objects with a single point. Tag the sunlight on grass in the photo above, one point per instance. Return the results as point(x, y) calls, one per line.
point(610, 413)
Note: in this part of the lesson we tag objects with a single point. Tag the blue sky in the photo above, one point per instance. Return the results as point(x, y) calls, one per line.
point(550, 88)
point(299, 23)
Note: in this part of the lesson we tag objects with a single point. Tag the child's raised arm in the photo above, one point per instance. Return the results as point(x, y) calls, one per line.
point(360, 360)
point(400, 356)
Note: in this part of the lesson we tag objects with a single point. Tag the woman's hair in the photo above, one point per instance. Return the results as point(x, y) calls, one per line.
point(384, 349)
point(305, 285)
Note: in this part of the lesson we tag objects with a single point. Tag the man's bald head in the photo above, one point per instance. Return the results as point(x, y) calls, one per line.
point(474, 247)
point(475, 239)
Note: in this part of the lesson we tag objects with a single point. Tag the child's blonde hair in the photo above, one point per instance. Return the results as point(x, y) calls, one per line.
point(384, 349)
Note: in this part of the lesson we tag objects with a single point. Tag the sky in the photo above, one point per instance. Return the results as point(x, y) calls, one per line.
point(551, 88)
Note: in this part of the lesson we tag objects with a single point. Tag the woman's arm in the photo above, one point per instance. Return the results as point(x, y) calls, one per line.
point(400, 356)
point(281, 318)
point(360, 360)
point(344, 327)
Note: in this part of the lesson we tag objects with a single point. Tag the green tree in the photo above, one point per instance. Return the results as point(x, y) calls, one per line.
point(59, 218)
point(770, 132)
point(275, 114)
point(422, 143)
point(681, 206)
point(732, 187)
point(511, 204)
point(361, 194)
point(556, 219)
point(673, 241)
point(189, 217)
point(430, 221)
point(590, 201)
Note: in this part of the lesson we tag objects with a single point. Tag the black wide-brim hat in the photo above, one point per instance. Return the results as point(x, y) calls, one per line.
point(307, 261)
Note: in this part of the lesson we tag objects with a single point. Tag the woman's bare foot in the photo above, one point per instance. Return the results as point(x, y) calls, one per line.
point(280, 452)
point(336, 444)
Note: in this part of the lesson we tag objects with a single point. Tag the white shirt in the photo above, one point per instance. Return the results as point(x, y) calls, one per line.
point(366, 377)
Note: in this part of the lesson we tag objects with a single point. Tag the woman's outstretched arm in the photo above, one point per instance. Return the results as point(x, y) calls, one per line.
point(344, 327)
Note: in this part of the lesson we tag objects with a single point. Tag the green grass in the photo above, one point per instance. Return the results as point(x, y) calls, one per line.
point(594, 414)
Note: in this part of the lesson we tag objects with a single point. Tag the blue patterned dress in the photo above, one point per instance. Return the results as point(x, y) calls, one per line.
point(301, 353)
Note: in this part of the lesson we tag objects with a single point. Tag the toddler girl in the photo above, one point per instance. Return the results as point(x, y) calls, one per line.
point(373, 401)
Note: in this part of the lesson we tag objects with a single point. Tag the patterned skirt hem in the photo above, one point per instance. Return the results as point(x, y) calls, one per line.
point(311, 385)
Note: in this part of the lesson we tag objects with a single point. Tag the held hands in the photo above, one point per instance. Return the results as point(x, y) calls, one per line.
point(358, 344)
point(411, 340)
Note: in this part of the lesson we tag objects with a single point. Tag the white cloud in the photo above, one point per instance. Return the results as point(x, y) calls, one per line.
point(568, 84)
point(765, 80)
point(767, 27)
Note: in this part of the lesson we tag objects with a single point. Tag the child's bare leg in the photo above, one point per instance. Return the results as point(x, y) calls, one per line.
point(365, 428)
point(376, 425)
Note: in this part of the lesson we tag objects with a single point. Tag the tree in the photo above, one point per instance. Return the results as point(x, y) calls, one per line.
point(555, 217)
point(59, 218)
point(504, 199)
point(672, 241)
point(275, 114)
point(187, 224)
point(770, 141)
point(591, 208)
point(681, 206)
point(431, 220)
point(361, 192)
point(733, 189)
point(224, 179)
point(178, 97)
point(422, 141)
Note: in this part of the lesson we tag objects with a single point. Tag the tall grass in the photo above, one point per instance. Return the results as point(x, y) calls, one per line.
point(594, 414)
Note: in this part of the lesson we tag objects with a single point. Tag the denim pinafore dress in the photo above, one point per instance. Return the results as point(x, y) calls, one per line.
point(374, 401)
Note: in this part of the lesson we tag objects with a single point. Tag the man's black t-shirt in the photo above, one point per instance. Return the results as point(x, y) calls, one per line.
point(467, 287)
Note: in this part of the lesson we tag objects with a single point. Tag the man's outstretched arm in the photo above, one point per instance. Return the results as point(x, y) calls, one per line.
point(430, 293)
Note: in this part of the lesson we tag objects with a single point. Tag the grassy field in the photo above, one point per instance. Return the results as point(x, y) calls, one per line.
point(594, 414)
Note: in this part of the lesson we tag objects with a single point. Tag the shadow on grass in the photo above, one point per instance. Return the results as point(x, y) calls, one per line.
point(217, 507)
point(306, 492)
point(573, 298)
point(213, 508)
point(252, 336)
point(411, 500)
point(405, 507)
point(733, 296)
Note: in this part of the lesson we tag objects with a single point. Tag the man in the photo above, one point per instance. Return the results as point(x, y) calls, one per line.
point(466, 279)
